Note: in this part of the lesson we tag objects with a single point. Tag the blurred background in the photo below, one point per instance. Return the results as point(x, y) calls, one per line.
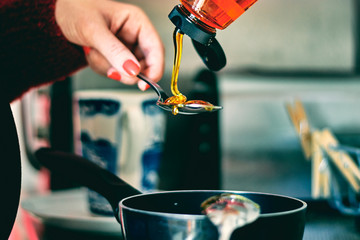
point(278, 51)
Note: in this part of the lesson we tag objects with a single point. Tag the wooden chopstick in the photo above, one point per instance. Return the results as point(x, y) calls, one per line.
point(341, 160)
point(300, 121)
point(320, 176)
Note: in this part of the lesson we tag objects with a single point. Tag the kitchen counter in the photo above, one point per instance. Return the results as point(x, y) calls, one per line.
point(325, 223)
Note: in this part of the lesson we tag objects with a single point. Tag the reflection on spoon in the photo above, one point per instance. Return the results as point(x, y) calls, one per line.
point(179, 102)
point(230, 211)
point(184, 107)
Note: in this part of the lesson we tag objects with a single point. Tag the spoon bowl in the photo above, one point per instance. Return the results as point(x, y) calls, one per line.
point(229, 211)
point(187, 108)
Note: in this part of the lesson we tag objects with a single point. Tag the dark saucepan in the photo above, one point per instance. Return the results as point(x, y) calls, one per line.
point(176, 214)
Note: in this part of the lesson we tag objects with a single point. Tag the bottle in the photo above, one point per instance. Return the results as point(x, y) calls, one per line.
point(216, 13)
point(199, 19)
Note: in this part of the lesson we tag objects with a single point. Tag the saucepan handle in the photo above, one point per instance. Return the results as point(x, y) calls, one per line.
point(88, 174)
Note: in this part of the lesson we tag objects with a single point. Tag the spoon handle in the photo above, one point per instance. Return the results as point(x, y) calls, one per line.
point(156, 87)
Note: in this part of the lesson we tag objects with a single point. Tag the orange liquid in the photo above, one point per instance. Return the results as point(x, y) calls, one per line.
point(178, 99)
point(217, 13)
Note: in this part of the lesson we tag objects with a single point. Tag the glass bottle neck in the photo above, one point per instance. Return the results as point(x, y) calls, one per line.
point(194, 19)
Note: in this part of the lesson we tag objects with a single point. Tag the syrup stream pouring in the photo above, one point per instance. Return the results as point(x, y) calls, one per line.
point(187, 108)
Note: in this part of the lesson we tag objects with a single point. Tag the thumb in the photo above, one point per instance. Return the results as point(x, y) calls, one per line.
point(118, 55)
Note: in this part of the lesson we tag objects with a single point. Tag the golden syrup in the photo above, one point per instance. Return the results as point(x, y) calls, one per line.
point(209, 14)
point(178, 97)
point(217, 13)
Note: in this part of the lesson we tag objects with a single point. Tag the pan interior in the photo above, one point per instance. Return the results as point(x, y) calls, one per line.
point(188, 202)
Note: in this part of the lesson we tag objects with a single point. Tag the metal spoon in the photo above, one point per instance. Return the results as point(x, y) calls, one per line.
point(230, 211)
point(187, 108)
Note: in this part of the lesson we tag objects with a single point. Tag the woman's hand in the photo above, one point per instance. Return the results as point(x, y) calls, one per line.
point(119, 39)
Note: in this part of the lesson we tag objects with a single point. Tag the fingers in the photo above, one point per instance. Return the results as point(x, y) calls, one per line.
point(123, 42)
point(154, 57)
point(117, 63)
point(143, 86)
point(97, 61)
point(118, 55)
point(100, 65)
point(132, 45)
point(152, 50)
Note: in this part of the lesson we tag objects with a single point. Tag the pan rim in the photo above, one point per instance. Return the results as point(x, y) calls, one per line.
point(200, 216)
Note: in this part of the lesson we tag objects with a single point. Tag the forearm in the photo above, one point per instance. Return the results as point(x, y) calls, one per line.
point(33, 50)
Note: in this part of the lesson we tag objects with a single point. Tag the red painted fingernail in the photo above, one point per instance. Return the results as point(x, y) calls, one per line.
point(131, 67)
point(113, 74)
point(143, 86)
point(86, 50)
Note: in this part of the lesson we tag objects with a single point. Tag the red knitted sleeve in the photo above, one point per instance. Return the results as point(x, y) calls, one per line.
point(33, 50)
